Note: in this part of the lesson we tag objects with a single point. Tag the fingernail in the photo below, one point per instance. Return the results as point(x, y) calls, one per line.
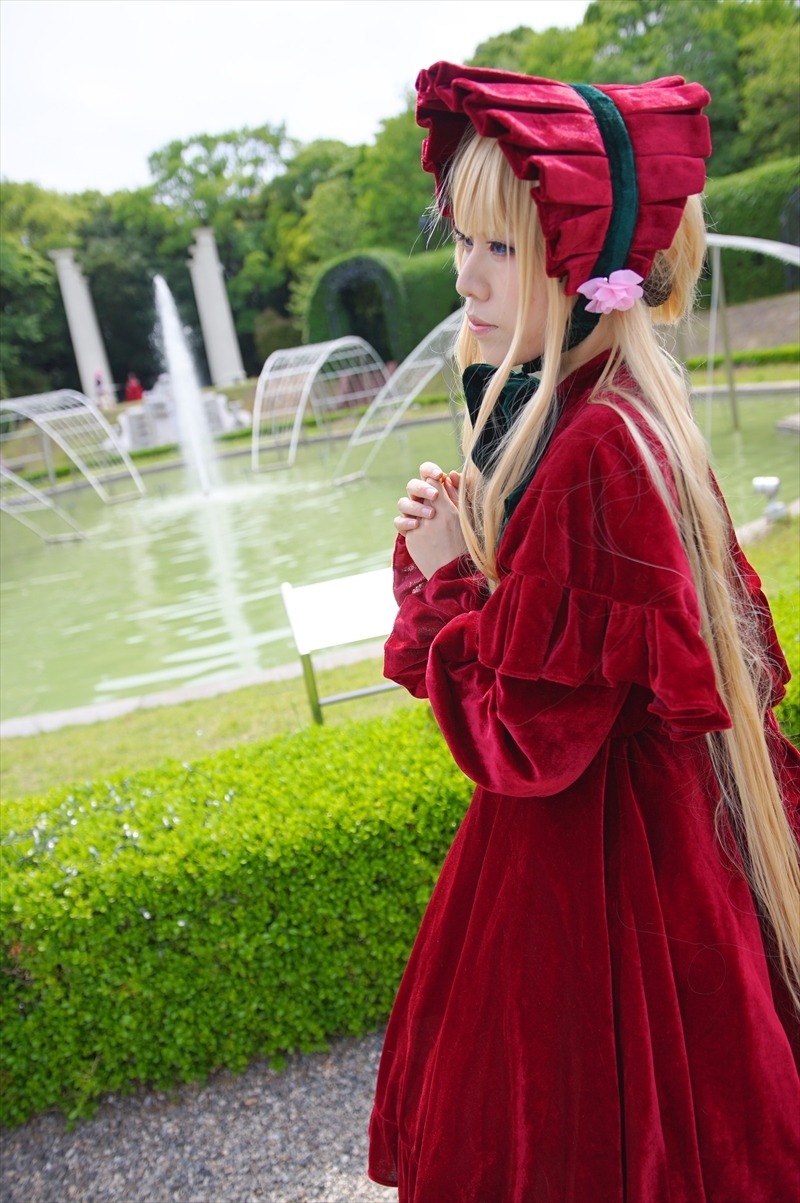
point(427, 511)
point(431, 492)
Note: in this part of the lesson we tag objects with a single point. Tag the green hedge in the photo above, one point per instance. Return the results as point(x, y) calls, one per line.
point(160, 925)
point(391, 300)
point(157, 926)
point(786, 613)
point(754, 204)
point(756, 358)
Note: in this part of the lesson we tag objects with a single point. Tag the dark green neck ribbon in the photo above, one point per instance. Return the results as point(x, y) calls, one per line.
point(522, 385)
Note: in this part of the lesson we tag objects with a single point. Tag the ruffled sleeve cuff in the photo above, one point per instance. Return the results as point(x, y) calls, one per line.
point(533, 628)
point(426, 607)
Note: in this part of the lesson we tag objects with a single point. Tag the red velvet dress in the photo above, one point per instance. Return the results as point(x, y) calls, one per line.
point(588, 1014)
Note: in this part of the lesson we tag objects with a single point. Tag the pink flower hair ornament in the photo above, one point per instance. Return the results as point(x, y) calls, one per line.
point(620, 290)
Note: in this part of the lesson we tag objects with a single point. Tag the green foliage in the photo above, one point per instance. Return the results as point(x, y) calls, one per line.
point(198, 176)
point(643, 39)
point(330, 224)
point(26, 290)
point(754, 203)
point(39, 219)
point(389, 299)
point(769, 125)
point(35, 349)
point(272, 331)
point(786, 613)
point(392, 190)
point(762, 355)
point(430, 287)
point(159, 926)
point(553, 53)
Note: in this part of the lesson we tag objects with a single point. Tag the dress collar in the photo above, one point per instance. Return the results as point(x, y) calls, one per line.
point(516, 392)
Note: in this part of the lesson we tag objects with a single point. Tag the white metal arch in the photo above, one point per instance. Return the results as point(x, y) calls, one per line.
point(18, 497)
point(427, 359)
point(784, 251)
point(329, 376)
point(76, 425)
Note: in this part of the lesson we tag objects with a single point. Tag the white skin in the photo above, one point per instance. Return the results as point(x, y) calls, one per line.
point(488, 282)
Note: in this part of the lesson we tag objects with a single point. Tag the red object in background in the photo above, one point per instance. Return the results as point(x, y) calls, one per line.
point(133, 388)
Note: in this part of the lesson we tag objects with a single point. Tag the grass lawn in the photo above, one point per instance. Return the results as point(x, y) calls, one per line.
point(185, 732)
point(34, 764)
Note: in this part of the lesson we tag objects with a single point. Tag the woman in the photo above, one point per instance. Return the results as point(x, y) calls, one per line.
point(600, 1003)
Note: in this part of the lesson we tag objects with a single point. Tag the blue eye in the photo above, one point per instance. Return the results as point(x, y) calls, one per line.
point(500, 249)
point(461, 238)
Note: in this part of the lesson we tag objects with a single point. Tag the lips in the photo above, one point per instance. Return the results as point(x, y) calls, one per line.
point(478, 327)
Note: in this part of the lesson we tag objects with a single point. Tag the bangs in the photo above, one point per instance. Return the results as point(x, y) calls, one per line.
point(480, 188)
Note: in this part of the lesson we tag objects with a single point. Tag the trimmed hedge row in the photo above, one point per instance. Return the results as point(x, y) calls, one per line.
point(756, 203)
point(790, 353)
point(363, 292)
point(786, 614)
point(158, 926)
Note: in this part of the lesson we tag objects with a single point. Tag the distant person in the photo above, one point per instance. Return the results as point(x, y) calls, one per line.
point(101, 394)
point(600, 1005)
point(133, 388)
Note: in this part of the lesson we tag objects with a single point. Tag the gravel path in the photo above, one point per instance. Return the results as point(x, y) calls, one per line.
point(298, 1136)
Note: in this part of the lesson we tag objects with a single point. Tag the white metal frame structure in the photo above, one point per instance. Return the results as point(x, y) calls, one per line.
point(19, 497)
point(784, 251)
point(428, 358)
point(76, 425)
point(328, 376)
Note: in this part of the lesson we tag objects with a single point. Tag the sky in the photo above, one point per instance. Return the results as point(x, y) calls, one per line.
point(90, 88)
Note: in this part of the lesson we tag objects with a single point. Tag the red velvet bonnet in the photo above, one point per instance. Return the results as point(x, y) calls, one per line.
point(551, 136)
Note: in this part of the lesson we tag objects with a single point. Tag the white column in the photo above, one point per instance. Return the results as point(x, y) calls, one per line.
point(216, 320)
point(87, 341)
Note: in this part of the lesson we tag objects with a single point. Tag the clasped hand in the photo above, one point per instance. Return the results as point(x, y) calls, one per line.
point(429, 519)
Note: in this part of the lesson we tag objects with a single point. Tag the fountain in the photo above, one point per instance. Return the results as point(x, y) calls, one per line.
point(194, 433)
point(182, 587)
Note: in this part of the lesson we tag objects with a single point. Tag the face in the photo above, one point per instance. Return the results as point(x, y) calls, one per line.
point(489, 283)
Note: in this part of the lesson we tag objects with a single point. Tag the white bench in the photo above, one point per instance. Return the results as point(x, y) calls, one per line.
point(334, 613)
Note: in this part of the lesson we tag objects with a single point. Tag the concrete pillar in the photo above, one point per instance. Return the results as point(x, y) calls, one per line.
point(87, 341)
point(216, 320)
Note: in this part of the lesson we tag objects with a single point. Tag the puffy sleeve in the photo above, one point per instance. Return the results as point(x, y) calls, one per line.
point(595, 597)
point(424, 609)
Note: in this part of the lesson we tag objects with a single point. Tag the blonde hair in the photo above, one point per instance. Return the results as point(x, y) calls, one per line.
point(488, 199)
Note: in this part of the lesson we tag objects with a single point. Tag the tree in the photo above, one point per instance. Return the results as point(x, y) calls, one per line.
point(505, 51)
point(35, 347)
point(769, 96)
point(554, 53)
point(38, 218)
point(26, 298)
point(705, 40)
point(393, 192)
point(198, 176)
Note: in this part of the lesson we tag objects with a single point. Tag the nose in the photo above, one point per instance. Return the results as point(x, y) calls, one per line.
point(471, 281)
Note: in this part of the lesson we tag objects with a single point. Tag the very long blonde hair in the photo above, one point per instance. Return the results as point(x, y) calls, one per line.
point(487, 199)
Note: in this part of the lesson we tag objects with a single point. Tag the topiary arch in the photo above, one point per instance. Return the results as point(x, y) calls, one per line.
point(390, 300)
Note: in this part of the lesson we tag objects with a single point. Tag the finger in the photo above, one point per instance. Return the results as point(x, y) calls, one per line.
point(410, 507)
point(431, 471)
point(421, 489)
point(451, 487)
point(404, 525)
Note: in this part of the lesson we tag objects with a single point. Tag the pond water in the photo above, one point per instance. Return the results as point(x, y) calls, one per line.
point(179, 588)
